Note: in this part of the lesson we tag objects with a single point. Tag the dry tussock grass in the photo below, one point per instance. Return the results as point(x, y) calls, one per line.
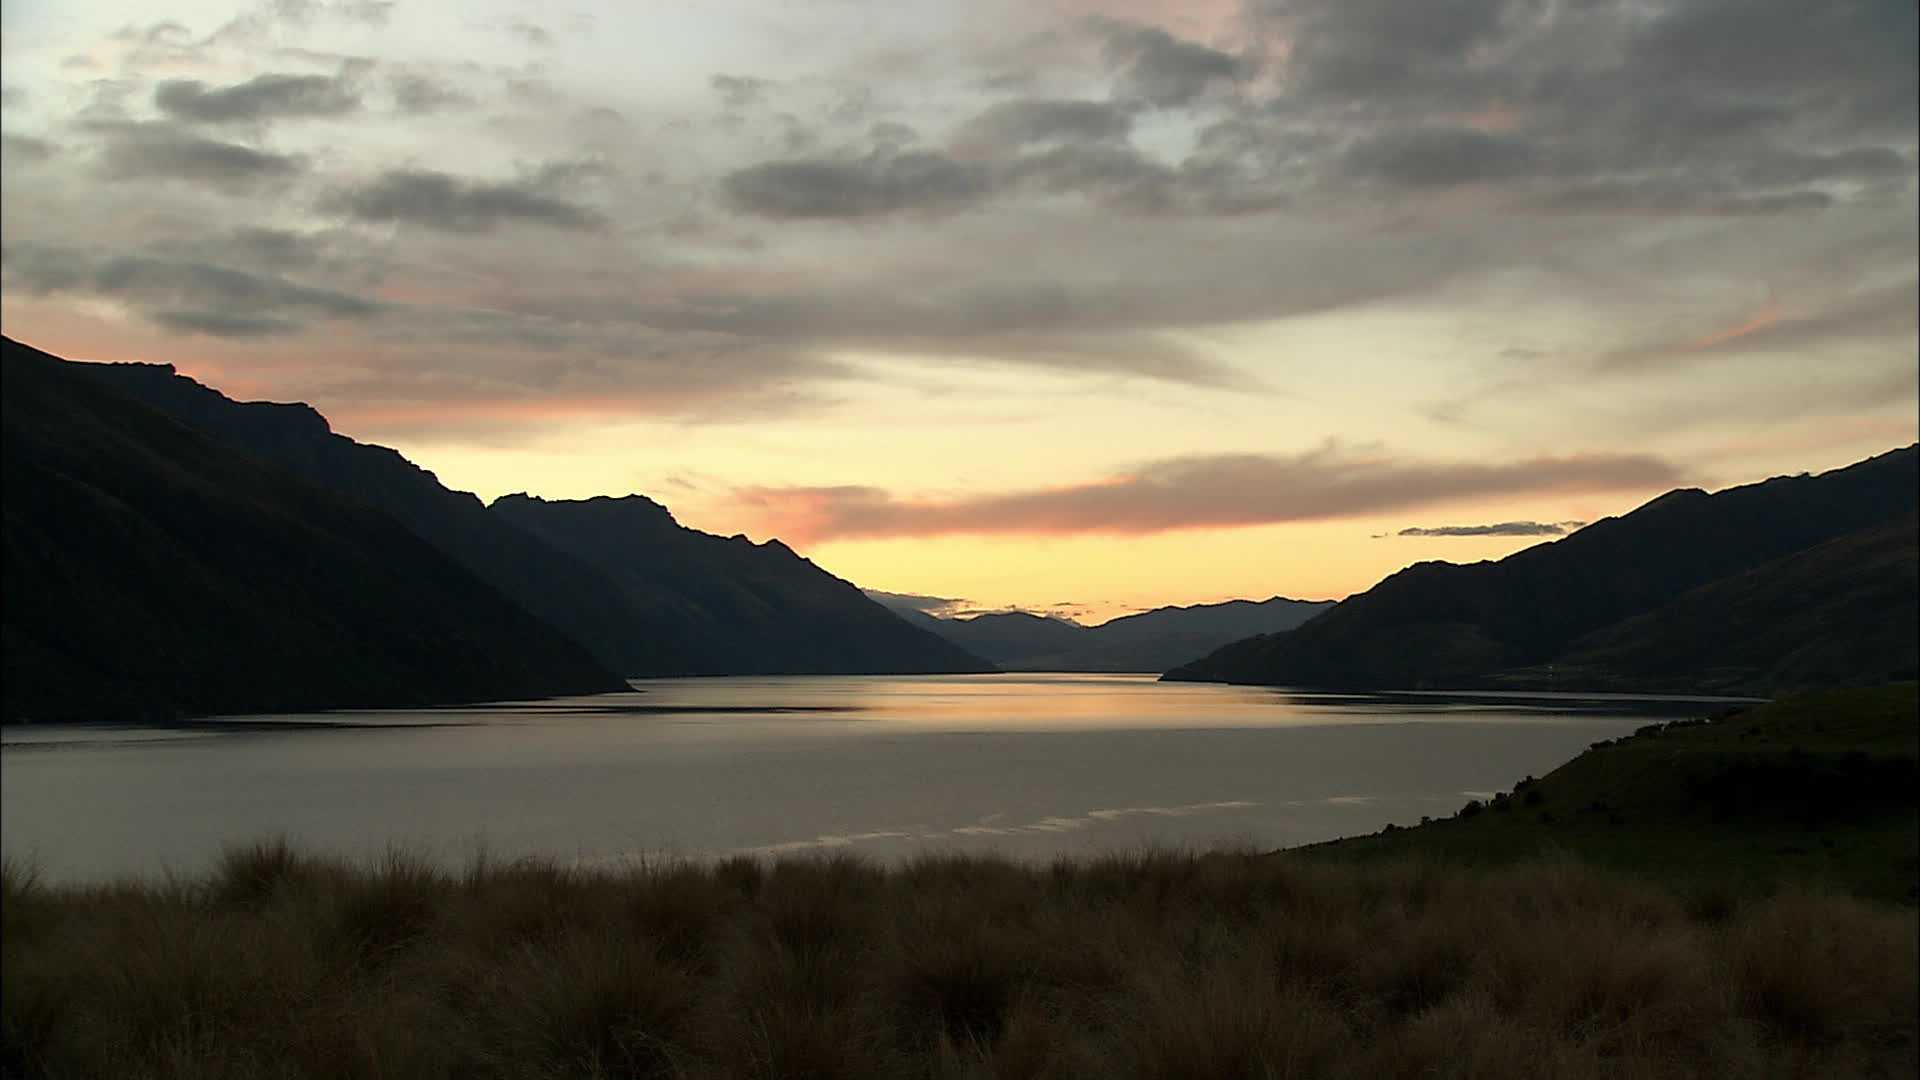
point(1146, 966)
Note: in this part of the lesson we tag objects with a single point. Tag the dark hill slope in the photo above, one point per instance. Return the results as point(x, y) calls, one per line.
point(150, 573)
point(1815, 789)
point(1843, 613)
point(630, 638)
point(745, 608)
point(1447, 626)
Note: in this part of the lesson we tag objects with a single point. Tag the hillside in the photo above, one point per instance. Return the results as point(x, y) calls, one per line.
point(743, 608)
point(150, 574)
point(557, 588)
point(1812, 789)
point(710, 614)
point(1148, 641)
point(1441, 625)
point(1843, 613)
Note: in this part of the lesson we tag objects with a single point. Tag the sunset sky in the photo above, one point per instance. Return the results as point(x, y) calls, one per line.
point(1072, 306)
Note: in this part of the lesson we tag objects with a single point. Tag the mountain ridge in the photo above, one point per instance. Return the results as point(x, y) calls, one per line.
point(1437, 625)
point(151, 573)
point(644, 633)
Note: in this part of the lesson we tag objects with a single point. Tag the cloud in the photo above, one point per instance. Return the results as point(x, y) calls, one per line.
point(1439, 157)
point(1016, 123)
point(447, 203)
point(739, 91)
point(420, 94)
point(937, 606)
point(262, 98)
point(183, 295)
point(27, 149)
point(1218, 491)
point(877, 185)
point(164, 152)
point(1504, 528)
point(1873, 313)
point(1160, 69)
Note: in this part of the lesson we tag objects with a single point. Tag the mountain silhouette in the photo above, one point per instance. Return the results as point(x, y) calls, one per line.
point(743, 608)
point(1842, 613)
point(151, 573)
point(696, 621)
point(1147, 641)
point(1446, 626)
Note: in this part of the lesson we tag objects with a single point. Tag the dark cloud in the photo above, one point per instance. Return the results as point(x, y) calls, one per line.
point(878, 185)
point(416, 93)
point(1221, 491)
point(164, 152)
point(264, 97)
point(1160, 69)
point(1694, 107)
point(224, 323)
point(1439, 157)
point(739, 91)
point(1015, 123)
point(531, 33)
point(26, 149)
point(437, 200)
point(1504, 528)
point(1113, 173)
point(183, 295)
point(1667, 196)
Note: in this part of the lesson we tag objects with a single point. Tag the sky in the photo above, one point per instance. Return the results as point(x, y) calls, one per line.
point(1063, 305)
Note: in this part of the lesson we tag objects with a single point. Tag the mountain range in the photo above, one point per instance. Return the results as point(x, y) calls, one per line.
point(1792, 583)
point(644, 595)
point(151, 573)
point(1151, 641)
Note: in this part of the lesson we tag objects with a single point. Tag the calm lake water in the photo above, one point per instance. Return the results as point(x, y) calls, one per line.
point(1029, 765)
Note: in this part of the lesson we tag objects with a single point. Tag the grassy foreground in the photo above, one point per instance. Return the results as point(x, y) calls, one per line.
point(1157, 965)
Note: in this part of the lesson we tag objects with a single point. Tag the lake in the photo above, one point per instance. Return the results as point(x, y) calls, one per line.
point(1027, 765)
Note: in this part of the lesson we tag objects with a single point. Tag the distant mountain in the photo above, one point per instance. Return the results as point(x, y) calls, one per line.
point(1165, 637)
point(1011, 639)
point(743, 608)
point(151, 573)
point(708, 616)
point(1445, 626)
point(1149, 641)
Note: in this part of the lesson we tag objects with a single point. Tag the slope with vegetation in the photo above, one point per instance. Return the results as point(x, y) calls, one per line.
point(1554, 613)
point(1816, 789)
point(152, 574)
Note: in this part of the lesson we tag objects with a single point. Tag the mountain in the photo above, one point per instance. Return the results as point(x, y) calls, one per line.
point(743, 608)
point(1842, 613)
point(151, 573)
point(555, 587)
point(1148, 641)
point(1446, 626)
point(708, 616)
point(1165, 637)
point(1011, 639)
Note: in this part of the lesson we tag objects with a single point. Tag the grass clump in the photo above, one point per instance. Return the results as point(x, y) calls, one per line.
point(280, 964)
